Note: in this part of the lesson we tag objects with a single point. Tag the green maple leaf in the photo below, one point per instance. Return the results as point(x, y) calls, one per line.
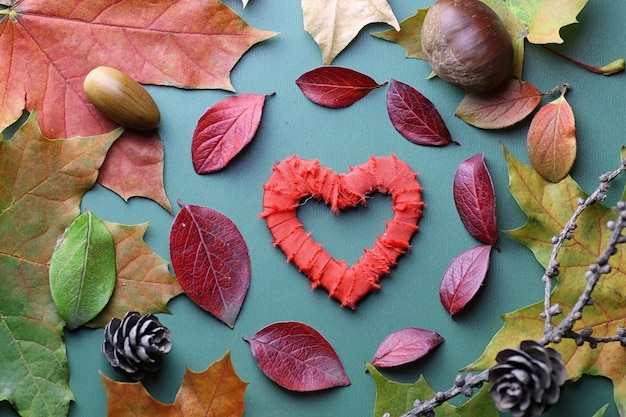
point(396, 398)
point(548, 207)
point(409, 36)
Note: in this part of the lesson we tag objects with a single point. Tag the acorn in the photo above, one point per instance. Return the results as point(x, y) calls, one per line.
point(122, 99)
point(467, 45)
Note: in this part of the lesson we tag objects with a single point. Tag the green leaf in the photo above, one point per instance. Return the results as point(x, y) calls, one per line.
point(82, 270)
point(548, 207)
point(409, 36)
point(42, 184)
point(396, 398)
point(601, 411)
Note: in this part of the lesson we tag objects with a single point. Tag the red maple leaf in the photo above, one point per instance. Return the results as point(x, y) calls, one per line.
point(48, 46)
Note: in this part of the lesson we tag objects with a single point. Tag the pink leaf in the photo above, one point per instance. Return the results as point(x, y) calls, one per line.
point(335, 87)
point(475, 199)
point(415, 117)
point(210, 260)
point(405, 346)
point(224, 130)
point(297, 357)
point(464, 277)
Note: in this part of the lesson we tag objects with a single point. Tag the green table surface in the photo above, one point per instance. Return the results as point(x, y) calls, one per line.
point(339, 139)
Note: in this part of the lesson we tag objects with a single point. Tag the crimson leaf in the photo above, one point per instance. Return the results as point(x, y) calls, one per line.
point(464, 277)
point(475, 199)
point(297, 357)
point(224, 130)
point(404, 346)
point(415, 117)
point(335, 87)
point(210, 260)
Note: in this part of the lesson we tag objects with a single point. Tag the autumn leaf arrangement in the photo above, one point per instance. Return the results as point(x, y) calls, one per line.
point(52, 258)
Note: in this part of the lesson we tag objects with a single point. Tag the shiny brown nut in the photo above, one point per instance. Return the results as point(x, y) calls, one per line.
point(467, 45)
point(121, 98)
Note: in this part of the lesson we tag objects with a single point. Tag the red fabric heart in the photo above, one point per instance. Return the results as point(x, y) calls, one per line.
point(295, 179)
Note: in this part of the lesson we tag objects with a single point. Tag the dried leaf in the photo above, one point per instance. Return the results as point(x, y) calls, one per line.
point(224, 130)
point(335, 87)
point(334, 24)
point(211, 260)
point(475, 199)
point(552, 139)
point(501, 108)
point(415, 117)
point(297, 357)
point(42, 184)
point(82, 270)
point(216, 391)
point(410, 35)
point(464, 277)
point(404, 346)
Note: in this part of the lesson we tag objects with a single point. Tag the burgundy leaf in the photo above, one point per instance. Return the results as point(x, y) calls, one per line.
point(297, 357)
point(224, 130)
point(475, 199)
point(210, 260)
point(464, 277)
point(415, 117)
point(335, 87)
point(501, 108)
point(404, 346)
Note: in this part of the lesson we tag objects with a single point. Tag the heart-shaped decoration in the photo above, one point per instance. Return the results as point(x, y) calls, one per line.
point(295, 179)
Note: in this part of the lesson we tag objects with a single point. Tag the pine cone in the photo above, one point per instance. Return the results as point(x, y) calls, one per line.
point(136, 344)
point(528, 380)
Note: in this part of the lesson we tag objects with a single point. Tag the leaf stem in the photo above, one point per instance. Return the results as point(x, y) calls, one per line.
point(611, 68)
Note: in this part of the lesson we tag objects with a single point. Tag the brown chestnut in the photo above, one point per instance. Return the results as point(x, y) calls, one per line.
point(467, 45)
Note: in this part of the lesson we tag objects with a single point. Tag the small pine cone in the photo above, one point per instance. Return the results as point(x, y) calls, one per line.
point(136, 344)
point(528, 380)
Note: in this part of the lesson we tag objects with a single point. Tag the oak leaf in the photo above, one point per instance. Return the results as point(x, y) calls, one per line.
point(42, 184)
point(549, 207)
point(334, 24)
point(60, 41)
point(216, 391)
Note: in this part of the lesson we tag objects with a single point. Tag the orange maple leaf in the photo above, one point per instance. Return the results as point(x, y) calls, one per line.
point(217, 391)
point(50, 45)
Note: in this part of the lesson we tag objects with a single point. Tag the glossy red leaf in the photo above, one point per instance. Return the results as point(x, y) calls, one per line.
point(501, 108)
point(210, 260)
point(464, 277)
point(224, 130)
point(415, 117)
point(297, 357)
point(475, 199)
point(335, 87)
point(552, 140)
point(404, 346)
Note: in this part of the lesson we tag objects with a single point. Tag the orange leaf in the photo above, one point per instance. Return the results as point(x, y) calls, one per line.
point(552, 139)
point(217, 391)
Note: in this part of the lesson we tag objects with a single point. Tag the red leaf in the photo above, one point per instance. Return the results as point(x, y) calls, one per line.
point(405, 346)
point(297, 357)
point(211, 261)
point(335, 87)
point(475, 199)
point(415, 117)
point(224, 130)
point(501, 108)
point(552, 139)
point(464, 277)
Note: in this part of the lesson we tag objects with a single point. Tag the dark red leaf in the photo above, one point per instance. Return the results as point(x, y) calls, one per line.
point(415, 117)
point(297, 357)
point(475, 199)
point(501, 108)
point(210, 260)
point(335, 87)
point(464, 277)
point(404, 346)
point(224, 130)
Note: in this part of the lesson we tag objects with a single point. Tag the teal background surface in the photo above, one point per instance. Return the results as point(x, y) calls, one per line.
point(339, 139)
